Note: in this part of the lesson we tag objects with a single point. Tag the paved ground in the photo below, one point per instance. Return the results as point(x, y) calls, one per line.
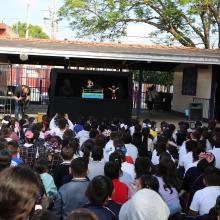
point(158, 116)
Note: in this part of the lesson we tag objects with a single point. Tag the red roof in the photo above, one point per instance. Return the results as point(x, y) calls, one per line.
point(107, 44)
point(6, 31)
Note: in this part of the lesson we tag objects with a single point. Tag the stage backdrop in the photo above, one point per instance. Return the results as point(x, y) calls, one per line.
point(69, 93)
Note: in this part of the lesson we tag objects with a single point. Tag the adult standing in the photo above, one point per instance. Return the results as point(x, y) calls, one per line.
point(135, 96)
point(22, 98)
point(151, 98)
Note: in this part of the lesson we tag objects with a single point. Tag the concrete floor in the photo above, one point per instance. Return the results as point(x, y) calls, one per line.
point(158, 116)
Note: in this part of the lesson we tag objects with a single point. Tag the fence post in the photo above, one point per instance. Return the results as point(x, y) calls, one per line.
point(40, 98)
point(140, 80)
point(17, 75)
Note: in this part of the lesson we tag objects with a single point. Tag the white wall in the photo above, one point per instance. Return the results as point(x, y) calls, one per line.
point(204, 80)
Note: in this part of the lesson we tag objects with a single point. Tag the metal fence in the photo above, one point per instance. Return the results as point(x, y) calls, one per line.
point(145, 87)
point(5, 79)
point(38, 80)
point(36, 77)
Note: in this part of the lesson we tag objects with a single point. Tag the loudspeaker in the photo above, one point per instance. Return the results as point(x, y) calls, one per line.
point(195, 111)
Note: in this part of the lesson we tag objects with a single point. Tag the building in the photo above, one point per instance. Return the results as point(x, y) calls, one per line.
point(6, 31)
point(196, 70)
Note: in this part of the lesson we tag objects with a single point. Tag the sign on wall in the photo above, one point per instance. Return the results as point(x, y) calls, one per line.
point(189, 83)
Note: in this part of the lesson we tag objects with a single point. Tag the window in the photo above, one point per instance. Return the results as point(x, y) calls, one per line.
point(189, 83)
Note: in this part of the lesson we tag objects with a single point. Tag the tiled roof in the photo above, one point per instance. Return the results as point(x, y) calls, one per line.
point(6, 32)
point(109, 51)
point(105, 44)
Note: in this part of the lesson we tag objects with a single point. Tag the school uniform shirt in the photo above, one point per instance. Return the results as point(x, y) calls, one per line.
point(190, 165)
point(28, 153)
point(205, 199)
point(53, 125)
point(58, 132)
point(126, 178)
point(128, 168)
point(95, 168)
point(155, 158)
point(131, 151)
point(171, 199)
point(71, 196)
point(120, 192)
point(208, 145)
point(82, 136)
point(185, 160)
point(216, 152)
point(108, 150)
point(131, 129)
point(182, 150)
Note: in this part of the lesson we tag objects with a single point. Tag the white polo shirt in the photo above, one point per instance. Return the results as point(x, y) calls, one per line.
point(205, 199)
point(132, 151)
point(185, 160)
point(190, 165)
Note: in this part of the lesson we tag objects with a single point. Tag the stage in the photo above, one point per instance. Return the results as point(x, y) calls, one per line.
point(101, 94)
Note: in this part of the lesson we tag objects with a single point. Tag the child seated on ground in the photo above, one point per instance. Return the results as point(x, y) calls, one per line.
point(13, 149)
point(41, 167)
point(27, 150)
point(61, 173)
point(98, 192)
point(204, 199)
point(120, 194)
point(148, 182)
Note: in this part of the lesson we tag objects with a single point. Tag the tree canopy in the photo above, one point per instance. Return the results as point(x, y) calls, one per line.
point(156, 77)
point(35, 31)
point(192, 23)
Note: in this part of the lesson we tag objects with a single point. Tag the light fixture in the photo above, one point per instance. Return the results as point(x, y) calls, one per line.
point(23, 56)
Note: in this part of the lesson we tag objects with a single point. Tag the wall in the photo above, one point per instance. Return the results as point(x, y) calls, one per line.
point(181, 102)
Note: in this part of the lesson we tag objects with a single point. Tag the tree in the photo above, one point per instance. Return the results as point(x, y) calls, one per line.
point(156, 77)
point(35, 31)
point(190, 22)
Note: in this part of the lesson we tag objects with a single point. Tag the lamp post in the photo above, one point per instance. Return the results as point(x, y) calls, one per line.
point(27, 18)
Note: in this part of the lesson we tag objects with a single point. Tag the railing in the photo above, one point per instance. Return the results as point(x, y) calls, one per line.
point(145, 87)
point(38, 79)
point(207, 112)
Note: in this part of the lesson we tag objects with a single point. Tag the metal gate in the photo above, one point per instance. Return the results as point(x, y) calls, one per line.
point(5, 91)
point(38, 80)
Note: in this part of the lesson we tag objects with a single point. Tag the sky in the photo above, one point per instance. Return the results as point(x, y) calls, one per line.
point(12, 11)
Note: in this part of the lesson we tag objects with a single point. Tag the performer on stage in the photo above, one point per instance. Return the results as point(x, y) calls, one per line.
point(113, 89)
point(22, 98)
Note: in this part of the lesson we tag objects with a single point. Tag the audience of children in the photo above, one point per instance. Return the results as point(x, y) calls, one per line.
point(108, 170)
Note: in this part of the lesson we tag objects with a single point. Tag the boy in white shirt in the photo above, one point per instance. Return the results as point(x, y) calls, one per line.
point(205, 199)
point(188, 158)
